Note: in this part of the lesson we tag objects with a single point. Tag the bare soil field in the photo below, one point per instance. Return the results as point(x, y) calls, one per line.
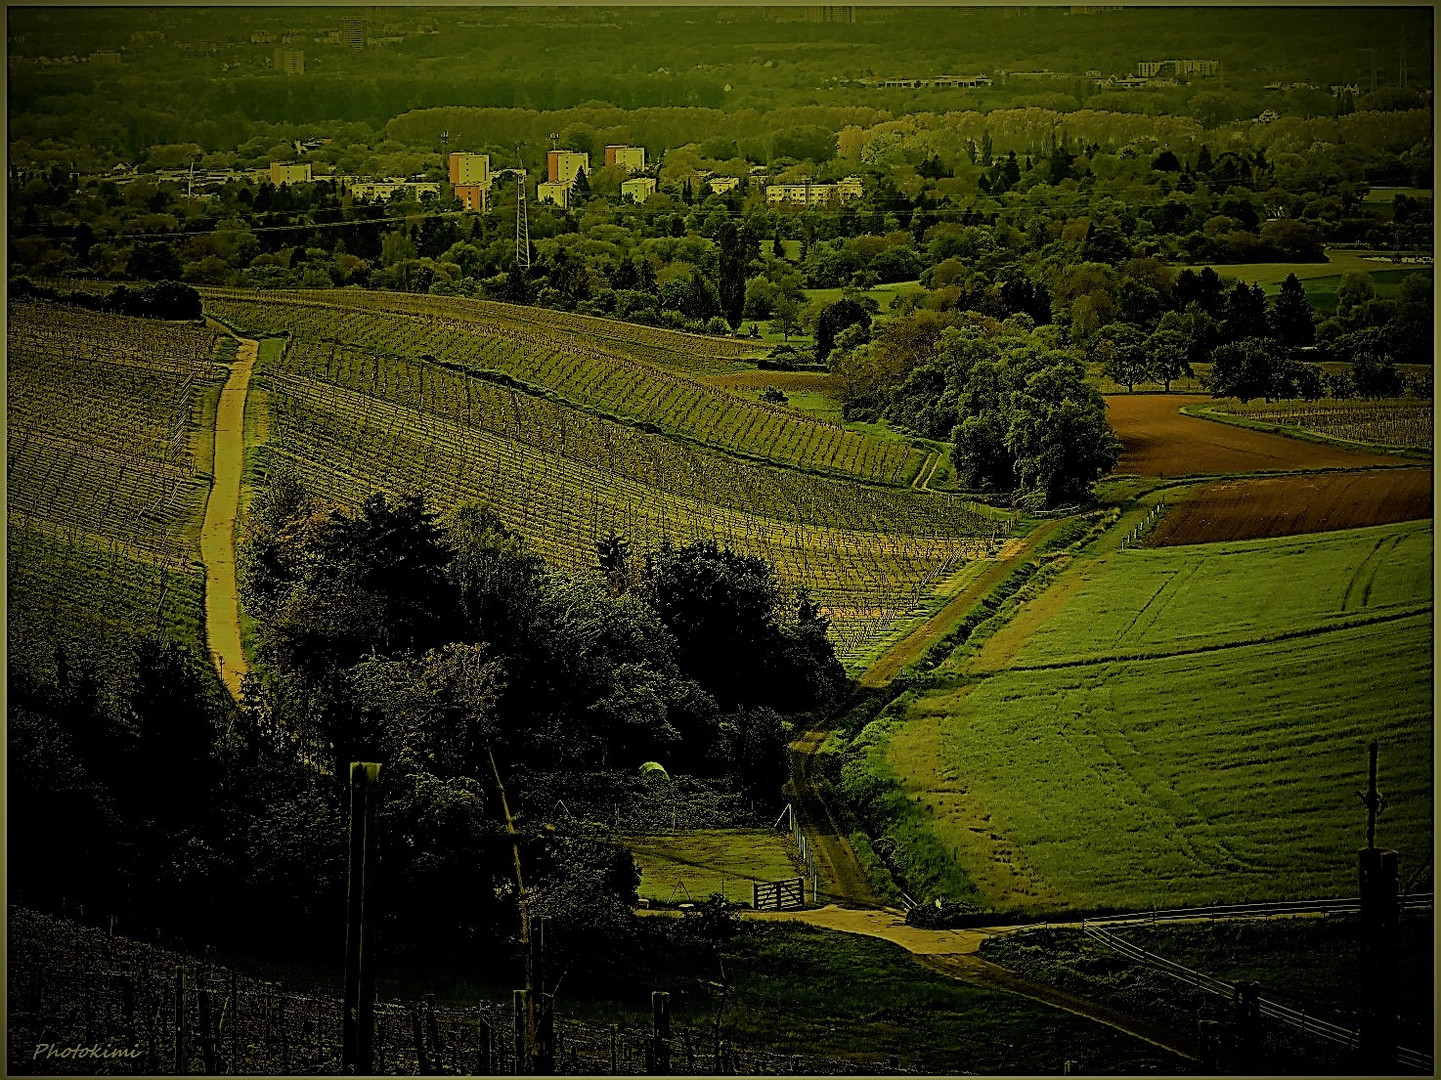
point(1247, 509)
point(1159, 441)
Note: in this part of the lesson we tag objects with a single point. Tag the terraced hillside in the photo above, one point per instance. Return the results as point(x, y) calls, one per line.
point(358, 404)
point(106, 472)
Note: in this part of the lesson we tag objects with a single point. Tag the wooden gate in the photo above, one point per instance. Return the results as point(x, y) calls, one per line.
point(780, 895)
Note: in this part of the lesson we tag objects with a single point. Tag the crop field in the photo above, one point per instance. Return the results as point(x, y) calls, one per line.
point(1189, 725)
point(691, 865)
point(1157, 440)
point(351, 421)
point(105, 491)
point(1405, 422)
point(477, 336)
point(1254, 507)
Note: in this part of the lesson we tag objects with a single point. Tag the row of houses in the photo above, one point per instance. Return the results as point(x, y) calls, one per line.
point(471, 178)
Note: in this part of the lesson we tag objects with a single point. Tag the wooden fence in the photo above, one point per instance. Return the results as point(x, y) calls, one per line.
point(778, 895)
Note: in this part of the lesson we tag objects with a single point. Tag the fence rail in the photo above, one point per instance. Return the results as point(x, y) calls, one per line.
point(1344, 906)
point(1304, 1022)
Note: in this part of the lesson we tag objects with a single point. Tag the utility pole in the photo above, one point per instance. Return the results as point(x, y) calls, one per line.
point(359, 1017)
point(1379, 916)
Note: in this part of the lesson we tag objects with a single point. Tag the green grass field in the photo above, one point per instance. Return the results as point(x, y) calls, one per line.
point(1188, 725)
point(1270, 275)
point(680, 867)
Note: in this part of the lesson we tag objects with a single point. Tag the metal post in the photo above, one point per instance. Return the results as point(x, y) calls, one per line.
point(359, 1016)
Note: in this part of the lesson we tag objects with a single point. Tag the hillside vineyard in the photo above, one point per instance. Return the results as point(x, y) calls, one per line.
point(472, 401)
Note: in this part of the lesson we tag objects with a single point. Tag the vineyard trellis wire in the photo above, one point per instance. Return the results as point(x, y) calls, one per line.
point(104, 492)
point(77, 985)
point(1400, 422)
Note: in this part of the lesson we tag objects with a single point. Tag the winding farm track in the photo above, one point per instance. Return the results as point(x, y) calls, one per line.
point(217, 535)
point(953, 953)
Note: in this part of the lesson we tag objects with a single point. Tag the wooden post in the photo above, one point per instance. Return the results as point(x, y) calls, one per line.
point(127, 1003)
point(482, 1065)
point(235, 1063)
point(432, 1028)
point(178, 1064)
point(1248, 1026)
point(421, 1057)
point(660, 1024)
point(614, 1041)
point(359, 1017)
point(520, 1011)
point(545, 1034)
point(207, 1033)
point(1380, 915)
point(280, 1023)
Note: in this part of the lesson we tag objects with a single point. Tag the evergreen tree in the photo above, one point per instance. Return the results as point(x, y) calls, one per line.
point(1293, 319)
point(734, 255)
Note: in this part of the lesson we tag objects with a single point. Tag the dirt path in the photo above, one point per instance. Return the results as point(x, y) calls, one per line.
point(938, 625)
point(953, 953)
point(845, 882)
point(217, 536)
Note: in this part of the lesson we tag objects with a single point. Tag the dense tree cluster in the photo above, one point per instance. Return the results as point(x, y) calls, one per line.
point(442, 649)
point(389, 612)
point(1020, 414)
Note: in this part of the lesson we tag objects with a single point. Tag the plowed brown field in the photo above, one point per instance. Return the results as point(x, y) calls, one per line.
point(1247, 509)
point(1159, 441)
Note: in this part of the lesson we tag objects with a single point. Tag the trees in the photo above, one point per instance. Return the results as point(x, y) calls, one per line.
point(1293, 319)
point(833, 319)
point(734, 257)
point(1243, 369)
point(735, 633)
point(1167, 353)
point(1119, 350)
point(1059, 436)
point(786, 313)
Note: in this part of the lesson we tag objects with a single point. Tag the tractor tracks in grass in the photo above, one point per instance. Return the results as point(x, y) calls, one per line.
point(217, 535)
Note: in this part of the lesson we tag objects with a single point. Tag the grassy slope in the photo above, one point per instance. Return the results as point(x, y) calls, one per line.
point(1337, 263)
point(711, 860)
point(1222, 766)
